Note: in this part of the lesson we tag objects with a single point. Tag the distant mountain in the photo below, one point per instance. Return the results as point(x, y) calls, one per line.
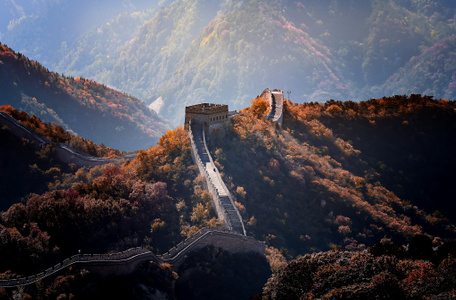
point(81, 106)
point(433, 72)
point(143, 60)
point(225, 51)
point(39, 28)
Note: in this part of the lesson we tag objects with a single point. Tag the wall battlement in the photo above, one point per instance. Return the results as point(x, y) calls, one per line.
point(207, 108)
point(206, 113)
point(213, 117)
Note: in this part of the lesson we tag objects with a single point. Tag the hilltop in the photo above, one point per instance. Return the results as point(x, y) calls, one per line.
point(82, 106)
point(342, 174)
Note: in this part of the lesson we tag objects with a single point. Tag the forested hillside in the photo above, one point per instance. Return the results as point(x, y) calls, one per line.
point(334, 176)
point(33, 168)
point(384, 271)
point(81, 106)
point(343, 174)
point(156, 199)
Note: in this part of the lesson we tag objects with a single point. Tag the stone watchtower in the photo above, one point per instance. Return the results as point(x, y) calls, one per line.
point(212, 116)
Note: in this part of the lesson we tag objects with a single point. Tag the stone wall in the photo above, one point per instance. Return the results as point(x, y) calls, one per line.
point(113, 263)
point(64, 152)
point(224, 239)
point(275, 99)
point(126, 261)
point(223, 202)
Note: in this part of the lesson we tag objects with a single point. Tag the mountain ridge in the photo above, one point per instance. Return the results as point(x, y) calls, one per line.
point(104, 115)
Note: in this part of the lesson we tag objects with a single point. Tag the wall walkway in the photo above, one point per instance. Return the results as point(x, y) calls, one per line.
point(64, 152)
point(126, 261)
point(227, 212)
point(275, 99)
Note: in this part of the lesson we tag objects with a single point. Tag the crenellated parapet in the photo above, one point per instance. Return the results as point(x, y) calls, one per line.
point(206, 113)
point(213, 117)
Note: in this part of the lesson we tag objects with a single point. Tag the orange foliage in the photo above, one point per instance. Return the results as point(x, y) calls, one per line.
point(259, 107)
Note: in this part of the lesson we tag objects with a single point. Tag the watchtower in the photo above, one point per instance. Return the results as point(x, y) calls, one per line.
point(212, 116)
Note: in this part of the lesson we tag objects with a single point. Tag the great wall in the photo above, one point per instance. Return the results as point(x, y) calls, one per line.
point(223, 202)
point(275, 99)
point(126, 261)
point(201, 120)
point(64, 152)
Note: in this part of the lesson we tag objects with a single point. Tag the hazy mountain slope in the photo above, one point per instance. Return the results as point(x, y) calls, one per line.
point(39, 28)
point(151, 58)
point(206, 51)
point(85, 107)
point(242, 48)
point(238, 53)
point(433, 72)
point(94, 54)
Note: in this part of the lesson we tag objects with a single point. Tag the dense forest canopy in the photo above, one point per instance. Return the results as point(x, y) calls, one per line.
point(157, 199)
point(384, 271)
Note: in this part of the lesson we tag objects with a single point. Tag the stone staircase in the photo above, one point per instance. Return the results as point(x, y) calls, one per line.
point(223, 201)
